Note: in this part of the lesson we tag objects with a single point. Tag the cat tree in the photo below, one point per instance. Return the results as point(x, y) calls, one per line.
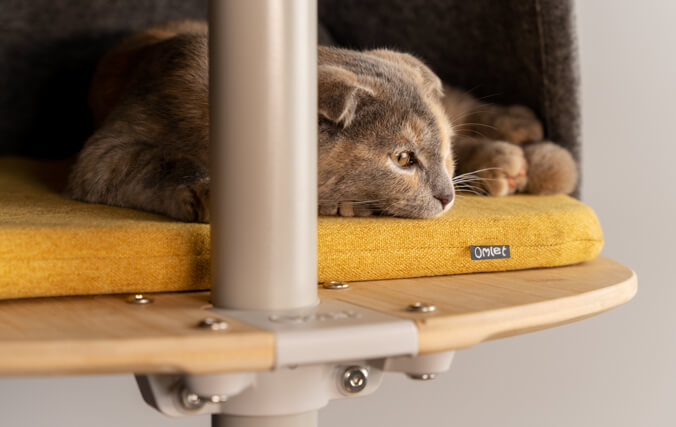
point(274, 348)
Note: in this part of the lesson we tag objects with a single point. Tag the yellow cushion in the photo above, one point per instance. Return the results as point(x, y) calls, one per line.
point(50, 245)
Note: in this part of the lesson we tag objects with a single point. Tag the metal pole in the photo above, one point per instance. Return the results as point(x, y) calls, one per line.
point(263, 133)
point(263, 142)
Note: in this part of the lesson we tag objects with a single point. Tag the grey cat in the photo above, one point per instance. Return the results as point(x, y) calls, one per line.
point(386, 144)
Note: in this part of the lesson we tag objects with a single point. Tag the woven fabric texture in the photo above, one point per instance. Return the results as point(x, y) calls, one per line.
point(50, 245)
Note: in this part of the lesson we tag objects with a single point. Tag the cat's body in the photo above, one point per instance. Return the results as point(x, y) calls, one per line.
point(384, 140)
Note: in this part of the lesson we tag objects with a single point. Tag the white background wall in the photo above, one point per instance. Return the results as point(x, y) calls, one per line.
point(617, 369)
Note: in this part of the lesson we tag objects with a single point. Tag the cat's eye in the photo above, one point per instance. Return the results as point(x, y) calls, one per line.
point(404, 159)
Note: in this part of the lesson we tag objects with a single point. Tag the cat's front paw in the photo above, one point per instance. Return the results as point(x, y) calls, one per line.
point(353, 209)
point(518, 124)
point(552, 169)
point(501, 169)
point(192, 202)
point(328, 209)
point(345, 209)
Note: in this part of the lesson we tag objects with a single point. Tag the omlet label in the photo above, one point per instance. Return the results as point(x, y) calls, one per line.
point(489, 252)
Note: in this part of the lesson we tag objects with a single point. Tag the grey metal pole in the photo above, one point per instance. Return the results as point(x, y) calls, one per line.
point(263, 143)
point(263, 100)
point(308, 419)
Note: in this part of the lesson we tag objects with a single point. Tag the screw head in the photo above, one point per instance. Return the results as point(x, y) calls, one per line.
point(213, 324)
point(217, 398)
point(421, 307)
point(355, 379)
point(422, 377)
point(335, 285)
point(139, 299)
point(190, 400)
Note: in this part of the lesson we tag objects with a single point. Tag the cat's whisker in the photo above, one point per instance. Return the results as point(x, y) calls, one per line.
point(461, 117)
point(476, 124)
point(478, 185)
point(472, 192)
point(475, 192)
point(474, 179)
point(466, 185)
point(471, 188)
point(490, 96)
point(470, 178)
point(476, 171)
point(466, 132)
point(470, 182)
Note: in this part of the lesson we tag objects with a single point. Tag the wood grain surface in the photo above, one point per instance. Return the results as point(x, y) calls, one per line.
point(105, 334)
point(472, 308)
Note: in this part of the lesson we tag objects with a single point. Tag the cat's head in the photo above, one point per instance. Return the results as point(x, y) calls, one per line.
point(384, 140)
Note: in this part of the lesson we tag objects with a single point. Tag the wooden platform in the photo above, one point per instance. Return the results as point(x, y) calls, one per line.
point(105, 334)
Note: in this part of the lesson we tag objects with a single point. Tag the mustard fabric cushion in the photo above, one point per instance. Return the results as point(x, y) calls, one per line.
point(50, 245)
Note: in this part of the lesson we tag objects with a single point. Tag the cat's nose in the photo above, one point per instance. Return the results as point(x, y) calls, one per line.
point(445, 199)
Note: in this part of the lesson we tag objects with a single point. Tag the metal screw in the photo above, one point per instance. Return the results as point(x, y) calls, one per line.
point(139, 299)
point(421, 307)
point(355, 379)
point(190, 400)
point(335, 285)
point(422, 377)
point(217, 398)
point(213, 324)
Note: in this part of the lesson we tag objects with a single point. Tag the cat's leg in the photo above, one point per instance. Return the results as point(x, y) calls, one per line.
point(497, 168)
point(481, 129)
point(138, 175)
point(476, 119)
point(513, 123)
point(552, 169)
point(500, 168)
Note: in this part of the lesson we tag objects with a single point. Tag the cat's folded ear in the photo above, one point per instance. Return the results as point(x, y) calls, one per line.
point(427, 78)
point(340, 93)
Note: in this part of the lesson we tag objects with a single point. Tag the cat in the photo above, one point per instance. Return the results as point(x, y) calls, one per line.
point(386, 144)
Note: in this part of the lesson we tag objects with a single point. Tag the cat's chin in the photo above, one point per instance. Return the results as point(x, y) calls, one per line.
point(415, 214)
point(431, 216)
point(412, 211)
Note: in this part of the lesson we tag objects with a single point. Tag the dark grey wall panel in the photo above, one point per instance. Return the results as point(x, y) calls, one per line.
point(509, 51)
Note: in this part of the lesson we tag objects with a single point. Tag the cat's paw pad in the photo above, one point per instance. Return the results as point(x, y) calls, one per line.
point(328, 209)
point(192, 202)
point(344, 209)
point(552, 169)
point(503, 169)
point(353, 209)
point(518, 124)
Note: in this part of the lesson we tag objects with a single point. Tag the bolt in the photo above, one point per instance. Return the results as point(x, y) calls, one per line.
point(355, 379)
point(193, 401)
point(335, 285)
point(190, 400)
point(422, 377)
point(217, 398)
point(213, 324)
point(139, 299)
point(421, 307)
